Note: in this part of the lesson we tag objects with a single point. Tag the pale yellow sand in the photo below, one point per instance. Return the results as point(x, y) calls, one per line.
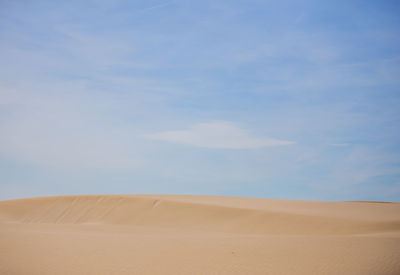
point(165, 234)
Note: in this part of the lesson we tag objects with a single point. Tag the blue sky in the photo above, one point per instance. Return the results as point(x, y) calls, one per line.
point(287, 99)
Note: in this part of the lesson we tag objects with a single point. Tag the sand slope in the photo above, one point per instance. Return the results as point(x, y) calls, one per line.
point(166, 234)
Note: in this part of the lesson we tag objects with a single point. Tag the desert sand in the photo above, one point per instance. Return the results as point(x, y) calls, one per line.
point(171, 234)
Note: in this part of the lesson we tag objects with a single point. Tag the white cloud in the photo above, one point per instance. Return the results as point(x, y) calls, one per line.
point(218, 134)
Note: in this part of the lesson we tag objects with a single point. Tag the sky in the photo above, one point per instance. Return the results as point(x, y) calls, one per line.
point(275, 99)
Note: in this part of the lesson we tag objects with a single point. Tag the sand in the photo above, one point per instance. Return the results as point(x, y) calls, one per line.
point(168, 234)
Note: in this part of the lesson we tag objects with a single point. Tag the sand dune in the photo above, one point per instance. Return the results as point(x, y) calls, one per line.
point(167, 234)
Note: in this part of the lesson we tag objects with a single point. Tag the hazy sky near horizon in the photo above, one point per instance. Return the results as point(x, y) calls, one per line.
point(278, 99)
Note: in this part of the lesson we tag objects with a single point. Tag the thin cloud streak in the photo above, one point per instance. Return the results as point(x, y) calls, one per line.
point(157, 6)
point(219, 135)
point(339, 144)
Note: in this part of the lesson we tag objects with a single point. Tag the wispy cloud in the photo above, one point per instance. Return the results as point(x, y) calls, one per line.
point(163, 5)
point(339, 144)
point(218, 134)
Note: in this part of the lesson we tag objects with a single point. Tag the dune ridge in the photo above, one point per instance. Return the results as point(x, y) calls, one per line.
point(181, 234)
point(167, 211)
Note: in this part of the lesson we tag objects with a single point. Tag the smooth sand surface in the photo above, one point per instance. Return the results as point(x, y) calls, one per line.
point(171, 234)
